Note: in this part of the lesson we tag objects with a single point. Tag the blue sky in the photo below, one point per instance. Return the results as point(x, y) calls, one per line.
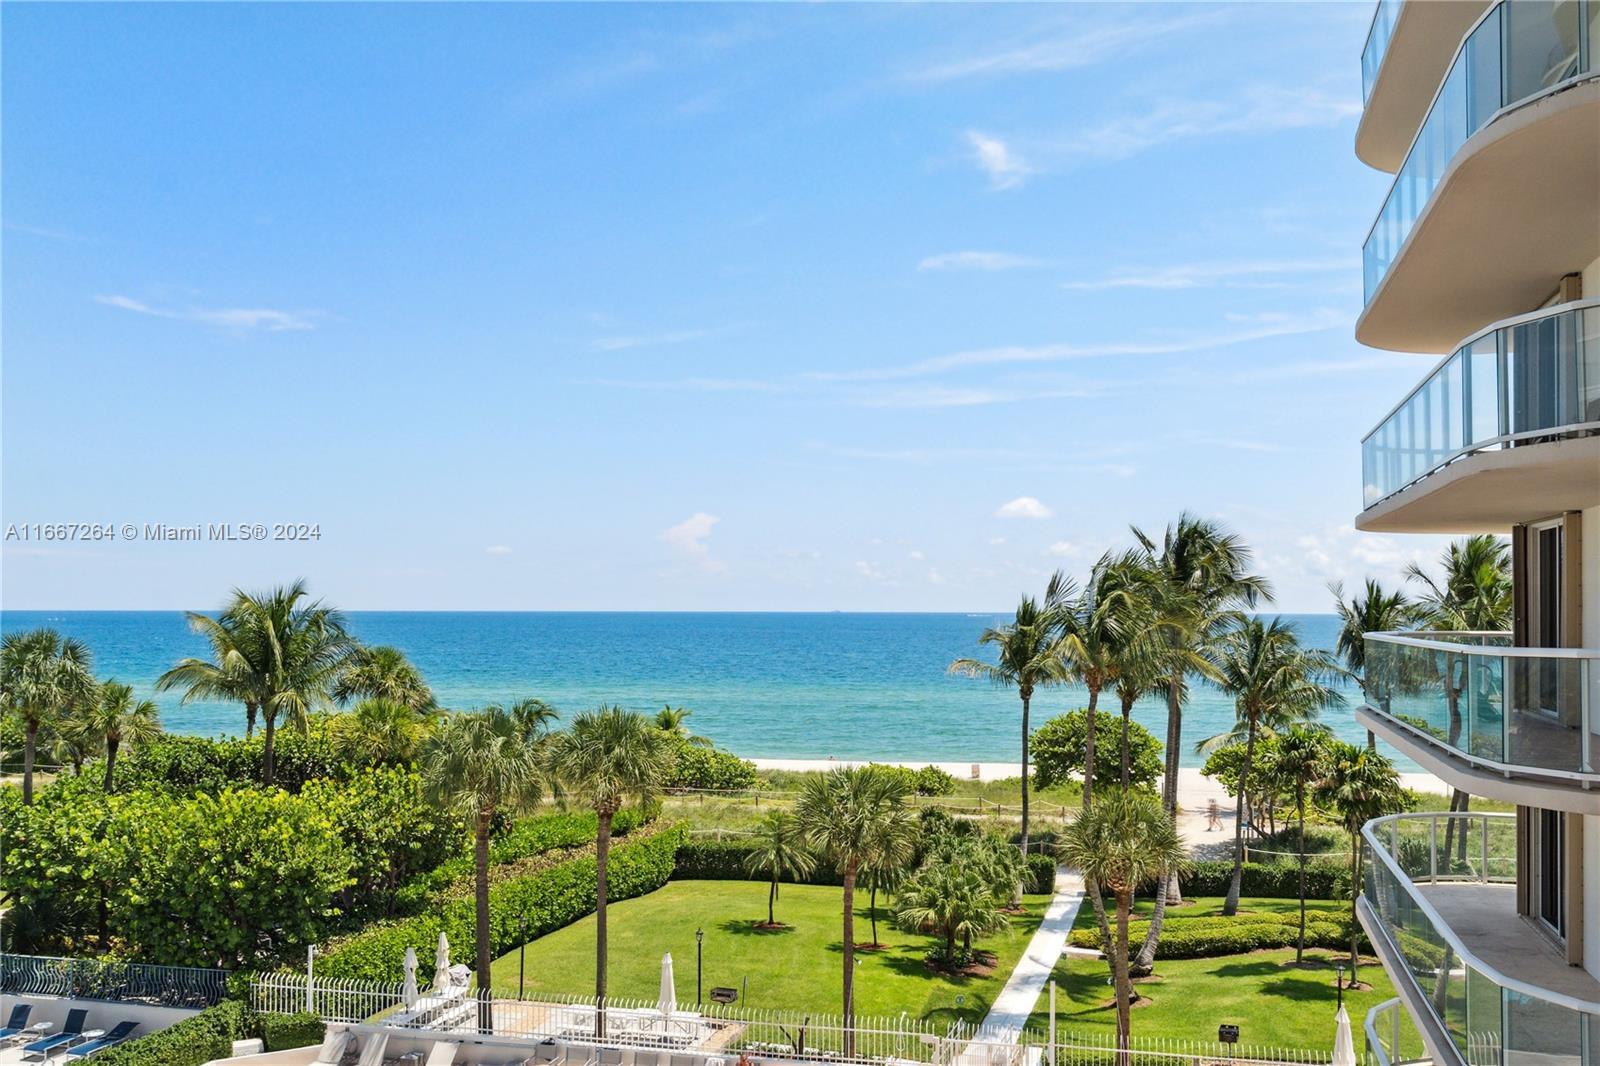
point(682, 307)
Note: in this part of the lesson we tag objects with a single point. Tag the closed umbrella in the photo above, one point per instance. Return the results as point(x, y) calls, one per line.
point(669, 990)
point(441, 966)
point(1344, 1044)
point(408, 991)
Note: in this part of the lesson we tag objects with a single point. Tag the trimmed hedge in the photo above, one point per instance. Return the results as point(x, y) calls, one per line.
point(280, 1032)
point(193, 1041)
point(551, 896)
point(1211, 935)
point(1041, 875)
point(723, 860)
point(1278, 880)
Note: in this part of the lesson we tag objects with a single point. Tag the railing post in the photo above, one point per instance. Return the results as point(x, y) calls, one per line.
point(1484, 826)
point(1433, 850)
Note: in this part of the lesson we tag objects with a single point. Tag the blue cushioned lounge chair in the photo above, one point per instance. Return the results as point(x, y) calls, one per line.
point(17, 1024)
point(116, 1036)
point(51, 1044)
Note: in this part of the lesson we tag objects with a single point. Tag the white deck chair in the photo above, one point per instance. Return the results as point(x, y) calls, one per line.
point(334, 1045)
point(443, 1053)
point(372, 1053)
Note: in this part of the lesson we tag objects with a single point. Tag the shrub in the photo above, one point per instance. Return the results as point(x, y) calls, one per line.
point(280, 1032)
point(694, 766)
point(191, 1042)
point(724, 860)
point(1058, 745)
point(551, 896)
point(1041, 874)
point(932, 781)
point(1212, 935)
point(1277, 880)
point(191, 765)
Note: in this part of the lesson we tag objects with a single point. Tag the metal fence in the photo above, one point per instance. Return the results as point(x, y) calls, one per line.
point(166, 986)
point(716, 1030)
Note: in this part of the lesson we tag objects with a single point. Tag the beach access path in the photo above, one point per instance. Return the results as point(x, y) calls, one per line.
point(1010, 1010)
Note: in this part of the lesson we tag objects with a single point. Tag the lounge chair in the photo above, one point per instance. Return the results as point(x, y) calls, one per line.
point(17, 1024)
point(334, 1045)
point(443, 1053)
point(68, 1036)
point(372, 1053)
point(117, 1035)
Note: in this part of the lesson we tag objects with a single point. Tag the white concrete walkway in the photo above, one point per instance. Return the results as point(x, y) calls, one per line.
point(1011, 1007)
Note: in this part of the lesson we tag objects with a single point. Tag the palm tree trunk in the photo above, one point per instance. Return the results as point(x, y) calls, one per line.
point(602, 855)
point(28, 748)
point(249, 719)
point(1088, 752)
point(480, 889)
point(1169, 784)
point(1230, 906)
point(111, 762)
point(1119, 973)
point(872, 911)
point(1300, 807)
point(849, 960)
point(1355, 890)
point(1024, 783)
point(267, 767)
point(772, 898)
point(1127, 713)
point(1144, 963)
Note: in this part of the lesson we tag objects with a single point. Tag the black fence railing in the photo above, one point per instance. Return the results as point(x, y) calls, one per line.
point(133, 982)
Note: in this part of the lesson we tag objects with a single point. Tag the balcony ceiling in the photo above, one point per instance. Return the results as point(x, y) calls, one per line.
point(1491, 491)
point(1424, 44)
point(1516, 210)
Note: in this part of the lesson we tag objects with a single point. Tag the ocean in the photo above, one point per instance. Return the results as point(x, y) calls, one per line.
point(761, 684)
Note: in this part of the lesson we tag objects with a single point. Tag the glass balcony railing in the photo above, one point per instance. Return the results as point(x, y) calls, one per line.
point(1518, 50)
point(1530, 709)
point(1531, 377)
point(1392, 1038)
point(1492, 1019)
point(1377, 45)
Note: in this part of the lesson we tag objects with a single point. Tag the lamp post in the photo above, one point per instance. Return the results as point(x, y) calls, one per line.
point(699, 960)
point(1338, 982)
point(522, 952)
point(311, 956)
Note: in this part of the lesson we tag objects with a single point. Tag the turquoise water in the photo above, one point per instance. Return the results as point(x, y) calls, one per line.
point(774, 685)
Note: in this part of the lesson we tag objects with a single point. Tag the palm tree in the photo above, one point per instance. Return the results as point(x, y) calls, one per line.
point(672, 720)
point(475, 765)
point(1376, 612)
point(382, 673)
point(274, 652)
point(950, 899)
point(533, 717)
point(843, 815)
point(608, 757)
point(1359, 785)
point(1275, 683)
point(380, 730)
point(892, 853)
point(778, 850)
point(1026, 657)
point(1123, 842)
point(118, 721)
point(42, 674)
point(1474, 595)
point(1301, 760)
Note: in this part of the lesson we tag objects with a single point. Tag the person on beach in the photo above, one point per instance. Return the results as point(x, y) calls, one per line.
point(1213, 816)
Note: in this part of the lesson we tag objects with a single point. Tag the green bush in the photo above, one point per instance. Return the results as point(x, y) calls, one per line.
point(190, 765)
point(551, 896)
point(1041, 874)
point(694, 766)
point(1276, 880)
point(1058, 750)
point(724, 860)
point(191, 1042)
point(280, 1032)
point(1212, 935)
point(932, 781)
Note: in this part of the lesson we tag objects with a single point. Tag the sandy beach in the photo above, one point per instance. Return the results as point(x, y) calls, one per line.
point(1195, 790)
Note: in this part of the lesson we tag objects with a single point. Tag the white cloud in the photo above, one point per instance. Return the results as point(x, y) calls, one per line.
point(497, 549)
point(1195, 275)
point(234, 318)
point(1023, 507)
point(1065, 549)
point(868, 571)
point(1082, 47)
point(688, 538)
point(688, 384)
point(979, 261)
point(652, 340)
point(1255, 327)
point(1322, 368)
point(915, 555)
point(1005, 168)
point(996, 541)
point(1259, 109)
point(934, 577)
point(937, 396)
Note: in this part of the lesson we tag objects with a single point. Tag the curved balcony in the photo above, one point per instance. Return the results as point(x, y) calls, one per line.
point(1439, 905)
point(1466, 704)
point(1392, 1039)
point(1472, 447)
point(1408, 49)
point(1497, 184)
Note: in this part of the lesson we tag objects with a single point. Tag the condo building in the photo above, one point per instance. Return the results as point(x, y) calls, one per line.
point(1485, 255)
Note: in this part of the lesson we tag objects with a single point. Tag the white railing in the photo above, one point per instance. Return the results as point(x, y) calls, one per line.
point(711, 1031)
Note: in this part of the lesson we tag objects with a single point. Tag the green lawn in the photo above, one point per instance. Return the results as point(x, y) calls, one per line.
point(1262, 992)
point(796, 969)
